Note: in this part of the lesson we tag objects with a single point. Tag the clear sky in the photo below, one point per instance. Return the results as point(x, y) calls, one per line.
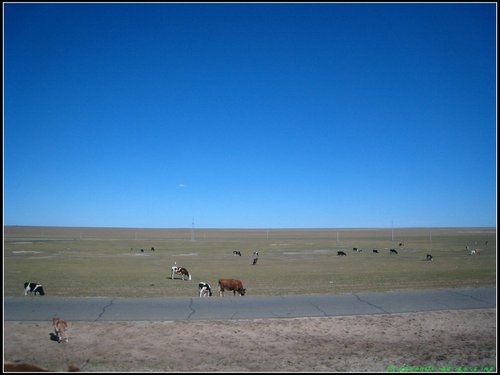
point(250, 115)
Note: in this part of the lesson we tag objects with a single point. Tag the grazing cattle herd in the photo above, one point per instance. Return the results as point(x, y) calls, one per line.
point(234, 285)
point(204, 290)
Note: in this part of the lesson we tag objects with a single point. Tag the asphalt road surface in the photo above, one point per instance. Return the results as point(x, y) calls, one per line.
point(42, 308)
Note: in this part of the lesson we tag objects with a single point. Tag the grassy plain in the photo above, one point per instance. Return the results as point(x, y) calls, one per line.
point(108, 262)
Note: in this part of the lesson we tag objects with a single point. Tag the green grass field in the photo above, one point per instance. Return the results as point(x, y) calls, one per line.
point(108, 262)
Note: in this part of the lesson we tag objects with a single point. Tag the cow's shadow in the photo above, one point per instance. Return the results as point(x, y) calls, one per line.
point(53, 337)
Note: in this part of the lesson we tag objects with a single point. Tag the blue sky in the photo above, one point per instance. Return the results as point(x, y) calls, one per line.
point(250, 115)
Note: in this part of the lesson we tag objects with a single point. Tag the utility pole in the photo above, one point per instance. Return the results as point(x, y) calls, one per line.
point(192, 229)
point(392, 230)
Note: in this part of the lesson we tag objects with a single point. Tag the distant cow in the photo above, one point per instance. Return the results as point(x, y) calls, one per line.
point(236, 252)
point(354, 249)
point(180, 271)
point(401, 244)
point(393, 251)
point(341, 253)
point(255, 257)
point(204, 289)
point(375, 251)
point(428, 257)
point(36, 289)
point(231, 284)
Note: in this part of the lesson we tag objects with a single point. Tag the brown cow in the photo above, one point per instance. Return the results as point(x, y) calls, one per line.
point(231, 284)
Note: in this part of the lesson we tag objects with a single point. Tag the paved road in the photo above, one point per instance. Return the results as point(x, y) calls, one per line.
point(42, 308)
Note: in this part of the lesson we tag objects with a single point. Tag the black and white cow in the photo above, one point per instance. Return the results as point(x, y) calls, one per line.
point(393, 251)
point(237, 252)
point(204, 289)
point(255, 257)
point(35, 288)
point(375, 251)
point(428, 257)
point(341, 253)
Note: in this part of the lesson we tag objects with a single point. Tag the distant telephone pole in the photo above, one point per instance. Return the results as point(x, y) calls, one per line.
point(192, 229)
point(430, 240)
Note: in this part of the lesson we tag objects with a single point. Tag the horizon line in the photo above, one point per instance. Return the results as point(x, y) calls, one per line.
point(253, 228)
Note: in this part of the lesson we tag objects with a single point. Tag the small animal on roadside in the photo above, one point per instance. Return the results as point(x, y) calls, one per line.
point(429, 257)
point(60, 327)
point(341, 253)
point(204, 289)
point(35, 288)
point(393, 251)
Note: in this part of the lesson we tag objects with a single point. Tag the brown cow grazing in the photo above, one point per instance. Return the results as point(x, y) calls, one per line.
point(231, 284)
